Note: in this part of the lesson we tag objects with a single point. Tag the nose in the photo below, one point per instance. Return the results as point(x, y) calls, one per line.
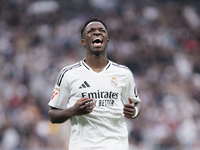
point(97, 32)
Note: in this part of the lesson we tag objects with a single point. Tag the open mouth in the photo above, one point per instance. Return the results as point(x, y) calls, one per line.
point(97, 41)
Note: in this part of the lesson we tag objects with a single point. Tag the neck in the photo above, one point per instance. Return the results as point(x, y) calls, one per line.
point(96, 63)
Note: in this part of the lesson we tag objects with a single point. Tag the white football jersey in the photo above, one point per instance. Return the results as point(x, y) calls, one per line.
point(104, 128)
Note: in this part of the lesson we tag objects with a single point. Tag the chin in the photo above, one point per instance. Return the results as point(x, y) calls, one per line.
point(97, 53)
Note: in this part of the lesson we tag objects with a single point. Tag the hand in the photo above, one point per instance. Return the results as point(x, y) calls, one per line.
point(129, 109)
point(83, 106)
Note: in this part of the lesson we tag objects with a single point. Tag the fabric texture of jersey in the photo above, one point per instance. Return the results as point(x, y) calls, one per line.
point(104, 128)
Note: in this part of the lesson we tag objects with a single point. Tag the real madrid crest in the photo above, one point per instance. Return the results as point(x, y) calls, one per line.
point(114, 82)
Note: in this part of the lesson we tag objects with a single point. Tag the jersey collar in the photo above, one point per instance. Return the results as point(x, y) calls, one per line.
point(88, 68)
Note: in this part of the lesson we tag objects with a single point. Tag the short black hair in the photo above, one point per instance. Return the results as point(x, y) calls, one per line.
point(89, 21)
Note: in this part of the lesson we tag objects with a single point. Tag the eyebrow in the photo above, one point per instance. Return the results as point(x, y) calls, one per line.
point(95, 28)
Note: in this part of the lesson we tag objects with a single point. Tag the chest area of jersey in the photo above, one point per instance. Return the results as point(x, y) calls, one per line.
point(105, 90)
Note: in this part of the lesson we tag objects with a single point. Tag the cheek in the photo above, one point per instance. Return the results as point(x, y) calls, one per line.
point(88, 42)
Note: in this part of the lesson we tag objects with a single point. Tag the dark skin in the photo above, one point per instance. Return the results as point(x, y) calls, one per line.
point(82, 107)
point(129, 109)
point(96, 58)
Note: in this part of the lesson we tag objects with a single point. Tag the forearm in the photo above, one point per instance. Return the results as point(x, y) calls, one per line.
point(59, 115)
point(81, 107)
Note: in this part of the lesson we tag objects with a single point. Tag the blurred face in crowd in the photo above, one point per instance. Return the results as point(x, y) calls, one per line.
point(95, 38)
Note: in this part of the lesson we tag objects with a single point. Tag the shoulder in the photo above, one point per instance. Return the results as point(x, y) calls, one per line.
point(120, 67)
point(68, 70)
point(71, 67)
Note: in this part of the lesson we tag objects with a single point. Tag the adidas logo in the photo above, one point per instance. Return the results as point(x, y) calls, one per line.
point(84, 85)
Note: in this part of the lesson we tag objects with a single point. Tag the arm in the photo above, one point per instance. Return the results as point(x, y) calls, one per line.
point(130, 109)
point(131, 99)
point(81, 107)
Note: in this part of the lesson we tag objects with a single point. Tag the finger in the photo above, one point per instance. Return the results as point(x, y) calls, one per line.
point(88, 100)
point(130, 101)
point(129, 110)
point(128, 113)
point(83, 99)
point(89, 109)
point(87, 105)
point(129, 105)
point(91, 104)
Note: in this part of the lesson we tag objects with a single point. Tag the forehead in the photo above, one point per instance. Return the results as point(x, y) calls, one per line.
point(95, 24)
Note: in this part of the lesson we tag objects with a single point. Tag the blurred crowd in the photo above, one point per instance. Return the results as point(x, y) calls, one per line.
point(159, 40)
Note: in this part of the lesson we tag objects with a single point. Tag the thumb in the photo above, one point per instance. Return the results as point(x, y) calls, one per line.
point(130, 101)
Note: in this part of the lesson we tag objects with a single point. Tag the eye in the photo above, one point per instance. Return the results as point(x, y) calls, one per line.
point(102, 30)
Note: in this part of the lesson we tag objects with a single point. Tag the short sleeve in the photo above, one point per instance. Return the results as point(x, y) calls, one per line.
point(60, 95)
point(130, 89)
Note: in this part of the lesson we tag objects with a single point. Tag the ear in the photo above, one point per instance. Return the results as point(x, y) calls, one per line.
point(83, 42)
point(107, 42)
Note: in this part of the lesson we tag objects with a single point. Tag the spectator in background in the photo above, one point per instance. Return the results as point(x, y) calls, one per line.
point(34, 46)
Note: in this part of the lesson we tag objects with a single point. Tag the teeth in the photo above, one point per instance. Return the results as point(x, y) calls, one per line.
point(97, 39)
